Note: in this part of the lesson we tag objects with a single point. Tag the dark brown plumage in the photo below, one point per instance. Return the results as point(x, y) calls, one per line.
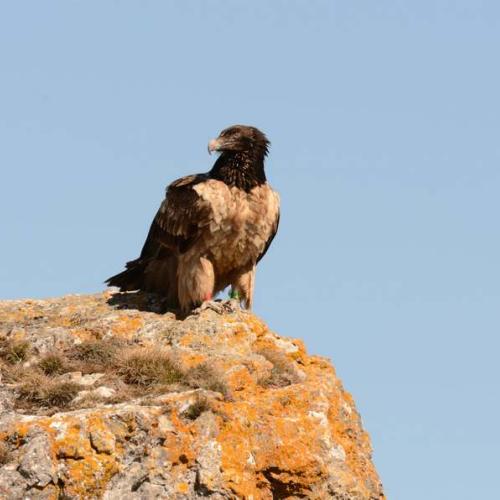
point(211, 229)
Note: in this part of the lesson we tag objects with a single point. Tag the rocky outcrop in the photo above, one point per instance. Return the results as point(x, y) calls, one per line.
point(102, 398)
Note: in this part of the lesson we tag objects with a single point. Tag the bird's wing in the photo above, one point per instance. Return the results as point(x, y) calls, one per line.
point(180, 218)
point(274, 230)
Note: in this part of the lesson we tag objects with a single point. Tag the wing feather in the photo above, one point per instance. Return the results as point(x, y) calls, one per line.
point(180, 218)
point(271, 237)
point(176, 227)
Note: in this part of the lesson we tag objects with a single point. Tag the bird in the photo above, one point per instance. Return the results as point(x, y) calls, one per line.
point(211, 229)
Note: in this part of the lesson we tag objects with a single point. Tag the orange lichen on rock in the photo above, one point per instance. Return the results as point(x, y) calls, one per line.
point(126, 325)
point(255, 417)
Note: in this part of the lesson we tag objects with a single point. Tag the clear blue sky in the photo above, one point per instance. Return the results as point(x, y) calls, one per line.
point(384, 118)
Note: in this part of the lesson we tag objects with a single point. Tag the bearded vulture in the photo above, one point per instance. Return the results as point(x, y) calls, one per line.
point(211, 229)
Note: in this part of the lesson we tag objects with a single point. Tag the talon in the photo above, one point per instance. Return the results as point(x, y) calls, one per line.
point(218, 307)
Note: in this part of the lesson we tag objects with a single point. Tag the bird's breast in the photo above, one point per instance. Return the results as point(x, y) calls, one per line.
point(240, 224)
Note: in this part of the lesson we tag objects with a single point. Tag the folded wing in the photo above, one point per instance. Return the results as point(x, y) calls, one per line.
point(177, 225)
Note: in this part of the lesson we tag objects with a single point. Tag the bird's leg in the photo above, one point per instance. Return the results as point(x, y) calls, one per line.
point(216, 306)
point(220, 306)
point(210, 303)
point(197, 283)
point(242, 288)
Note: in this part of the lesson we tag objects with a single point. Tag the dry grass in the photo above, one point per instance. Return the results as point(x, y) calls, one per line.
point(53, 364)
point(200, 405)
point(133, 372)
point(40, 390)
point(13, 374)
point(93, 355)
point(203, 376)
point(59, 393)
point(147, 367)
point(14, 352)
point(282, 372)
point(4, 453)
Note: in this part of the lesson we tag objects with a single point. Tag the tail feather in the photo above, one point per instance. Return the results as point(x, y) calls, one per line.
point(149, 275)
point(130, 279)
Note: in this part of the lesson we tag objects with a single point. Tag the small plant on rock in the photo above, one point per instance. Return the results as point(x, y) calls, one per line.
point(282, 373)
point(147, 367)
point(4, 453)
point(14, 351)
point(195, 409)
point(94, 351)
point(52, 364)
point(203, 376)
point(39, 390)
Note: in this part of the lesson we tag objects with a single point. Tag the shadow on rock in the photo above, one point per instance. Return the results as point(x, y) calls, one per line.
point(141, 301)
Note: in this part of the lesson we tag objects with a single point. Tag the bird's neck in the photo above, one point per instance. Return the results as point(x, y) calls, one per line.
point(242, 169)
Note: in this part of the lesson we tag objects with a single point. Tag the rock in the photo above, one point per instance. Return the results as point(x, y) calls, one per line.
point(6, 402)
point(36, 465)
point(129, 480)
point(239, 412)
point(78, 378)
point(101, 392)
point(12, 484)
point(102, 440)
point(209, 477)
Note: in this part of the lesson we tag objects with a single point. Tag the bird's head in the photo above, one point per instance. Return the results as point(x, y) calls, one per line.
point(240, 138)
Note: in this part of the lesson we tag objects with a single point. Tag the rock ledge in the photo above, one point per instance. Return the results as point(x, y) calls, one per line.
point(102, 399)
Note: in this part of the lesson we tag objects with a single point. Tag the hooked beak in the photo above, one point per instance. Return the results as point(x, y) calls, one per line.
point(213, 145)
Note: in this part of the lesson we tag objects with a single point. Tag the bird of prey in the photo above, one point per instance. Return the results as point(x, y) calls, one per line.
point(211, 229)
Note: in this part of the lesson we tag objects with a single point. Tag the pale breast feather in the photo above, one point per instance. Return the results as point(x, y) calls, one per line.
point(242, 223)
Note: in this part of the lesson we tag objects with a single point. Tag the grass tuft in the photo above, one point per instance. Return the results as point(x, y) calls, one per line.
point(13, 374)
point(39, 390)
point(147, 367)
point(60, 393)
point(200, 405)
point(14, 352)
point(52, 364)
point(132, 371)
point(203, 376)
point(282, 372)
point(4, 453)
point(95, 352)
